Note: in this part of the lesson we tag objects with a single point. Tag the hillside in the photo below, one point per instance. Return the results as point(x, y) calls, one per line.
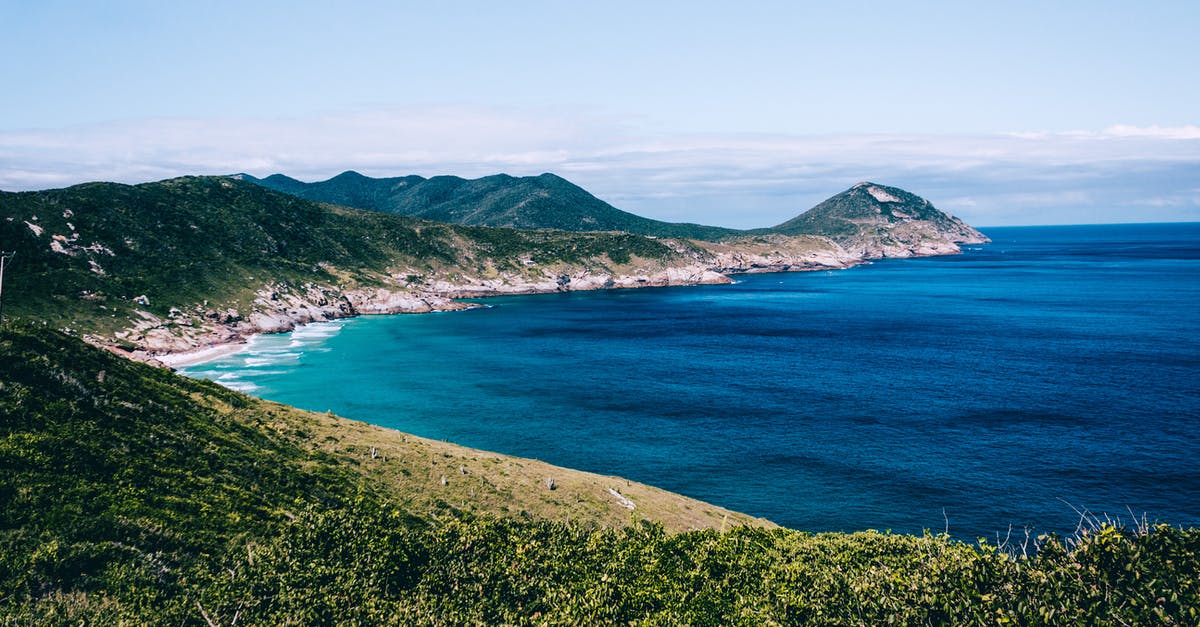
point(868, 220)
point(531, 202)
point(186, 262)
point(130, 495)
point(880, 221)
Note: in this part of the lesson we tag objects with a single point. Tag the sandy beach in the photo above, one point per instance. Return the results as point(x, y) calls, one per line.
point(191, 358)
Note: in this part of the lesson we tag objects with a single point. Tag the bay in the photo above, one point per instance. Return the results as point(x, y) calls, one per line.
point(1051, 373)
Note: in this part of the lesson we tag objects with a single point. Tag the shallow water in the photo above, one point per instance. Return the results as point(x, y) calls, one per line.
point(1056, 369)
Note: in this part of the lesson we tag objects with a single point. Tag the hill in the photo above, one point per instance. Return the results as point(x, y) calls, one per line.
point(185, 262)
point(130, 495)
point(868, 220)
point(880, 221)
point(532, 202)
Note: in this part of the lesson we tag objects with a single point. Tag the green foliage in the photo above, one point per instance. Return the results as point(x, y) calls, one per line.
point(533, 202)
point(131, 495)
point(215, 240)
point(856, 216)
point(113, 473)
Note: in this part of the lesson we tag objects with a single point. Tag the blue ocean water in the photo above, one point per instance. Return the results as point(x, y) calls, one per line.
point(1054, 370)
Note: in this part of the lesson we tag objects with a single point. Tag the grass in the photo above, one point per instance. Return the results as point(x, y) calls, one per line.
point(130, 495)
point(206, 244)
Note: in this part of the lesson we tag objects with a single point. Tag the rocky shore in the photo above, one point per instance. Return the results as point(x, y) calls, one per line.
point(202, 333)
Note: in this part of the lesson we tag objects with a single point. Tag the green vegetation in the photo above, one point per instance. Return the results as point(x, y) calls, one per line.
point(532, 202)
point(84, 253)
point(131, 495)
point(852, 218)
point(208, 246)
point(856, 215)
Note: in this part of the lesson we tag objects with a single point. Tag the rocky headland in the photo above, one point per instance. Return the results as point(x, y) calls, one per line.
point(167, 271)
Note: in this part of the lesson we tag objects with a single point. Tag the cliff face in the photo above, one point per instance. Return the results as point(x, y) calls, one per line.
point(875, 221)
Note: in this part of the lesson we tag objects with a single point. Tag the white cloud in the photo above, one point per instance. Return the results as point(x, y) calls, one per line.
point(736, 180)
point(1161, 132)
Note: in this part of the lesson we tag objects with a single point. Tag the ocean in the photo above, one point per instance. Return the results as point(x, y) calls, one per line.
point(1051, 374)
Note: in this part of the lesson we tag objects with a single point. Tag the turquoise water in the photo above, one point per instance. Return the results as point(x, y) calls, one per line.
point(1055, 369)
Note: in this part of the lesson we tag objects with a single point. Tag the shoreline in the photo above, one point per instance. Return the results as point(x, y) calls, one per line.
point(212, 352)
point(454, 302)
point(448, 297)
point(206, 354)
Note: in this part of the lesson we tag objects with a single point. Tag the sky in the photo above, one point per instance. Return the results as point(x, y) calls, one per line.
point(737, 114)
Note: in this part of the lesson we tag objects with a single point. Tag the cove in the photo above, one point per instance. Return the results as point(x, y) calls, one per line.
point(1054, 370)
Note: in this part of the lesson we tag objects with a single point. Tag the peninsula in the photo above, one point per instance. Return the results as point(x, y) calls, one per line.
point(130, 494)
point(187, 264)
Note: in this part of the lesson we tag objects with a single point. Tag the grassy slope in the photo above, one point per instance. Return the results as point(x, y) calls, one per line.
point(203, 244)
point(186, 241)
point(140, 422)
point(129, 494)
point(533, 202)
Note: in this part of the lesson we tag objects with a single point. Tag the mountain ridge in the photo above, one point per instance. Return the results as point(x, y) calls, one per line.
point(186, 263)
point(131, 495)
point(530, 202)
point(869, 218)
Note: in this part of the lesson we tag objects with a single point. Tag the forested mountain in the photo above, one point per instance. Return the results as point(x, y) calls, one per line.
point(531, 202)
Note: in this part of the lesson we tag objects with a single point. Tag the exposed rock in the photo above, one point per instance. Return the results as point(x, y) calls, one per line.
point(622, 499)
point(868, 221)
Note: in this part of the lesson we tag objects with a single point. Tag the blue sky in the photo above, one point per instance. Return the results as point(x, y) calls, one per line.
point(740, 114)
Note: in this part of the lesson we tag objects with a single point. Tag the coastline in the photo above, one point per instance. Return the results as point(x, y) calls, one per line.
point(282, 308)
point(445, 300)
point(184, 359)
point(211, 352)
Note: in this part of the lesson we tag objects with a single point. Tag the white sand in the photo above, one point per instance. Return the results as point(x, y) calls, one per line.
point(199, 356)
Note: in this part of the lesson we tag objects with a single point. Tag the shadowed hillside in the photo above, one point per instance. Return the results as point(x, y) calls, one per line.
point(532, 202)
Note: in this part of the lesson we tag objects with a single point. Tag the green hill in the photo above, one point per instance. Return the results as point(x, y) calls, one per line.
point(868, 219)
point(185, 256)
point(130, 495)
point(875, 220)
point(532, 202)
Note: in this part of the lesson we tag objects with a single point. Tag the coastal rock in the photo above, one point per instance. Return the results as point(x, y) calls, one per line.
point(779, 253)
point(868, 221)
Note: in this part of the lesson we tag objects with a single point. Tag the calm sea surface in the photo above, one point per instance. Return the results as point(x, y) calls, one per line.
point(1056, 369)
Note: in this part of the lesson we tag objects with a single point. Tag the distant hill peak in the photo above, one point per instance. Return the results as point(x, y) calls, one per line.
point(868, 217)
point(877, 192)
point(881, 221)
point(545, 201)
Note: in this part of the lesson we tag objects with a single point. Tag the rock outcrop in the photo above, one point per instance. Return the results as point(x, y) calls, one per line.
point(135, 263)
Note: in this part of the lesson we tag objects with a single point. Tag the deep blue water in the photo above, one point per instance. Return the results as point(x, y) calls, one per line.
point(1056, 369)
